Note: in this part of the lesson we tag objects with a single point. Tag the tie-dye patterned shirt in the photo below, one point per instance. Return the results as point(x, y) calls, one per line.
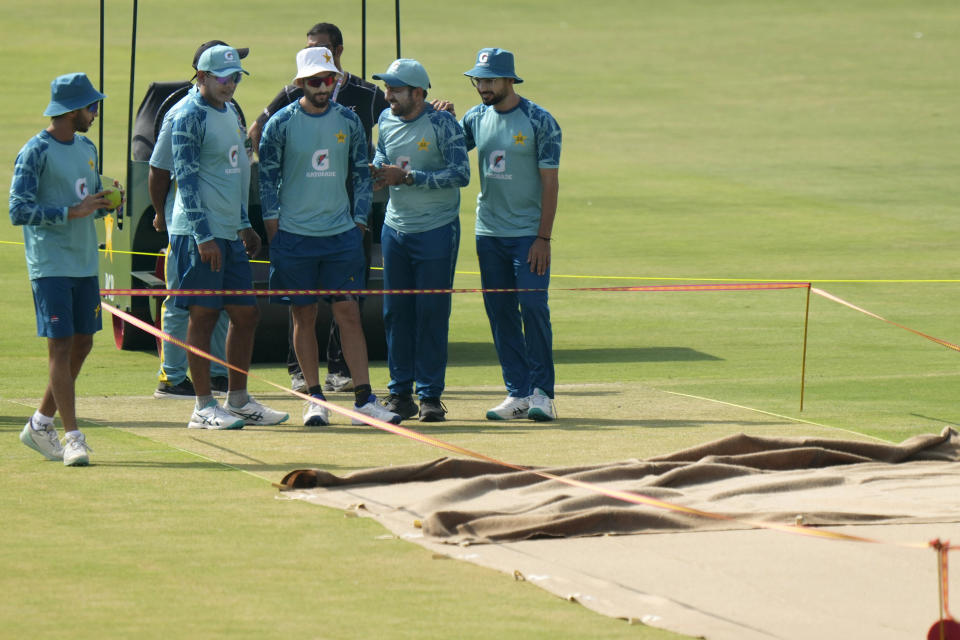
point(304, 163)
point(431, 148)
point(512, 146)
point(212, 171)
point(49, 177)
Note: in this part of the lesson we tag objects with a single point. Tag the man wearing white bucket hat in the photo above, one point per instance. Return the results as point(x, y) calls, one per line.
point(316, 237)
point(518, 145)
point(56, 195)
point(212, 239)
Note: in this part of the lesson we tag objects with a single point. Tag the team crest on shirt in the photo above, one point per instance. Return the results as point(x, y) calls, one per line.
point(497, 165)
point(404, 162)
point(321, 165)
point(81, 187)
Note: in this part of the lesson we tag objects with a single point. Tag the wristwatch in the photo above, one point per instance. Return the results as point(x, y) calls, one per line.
point(408, 179)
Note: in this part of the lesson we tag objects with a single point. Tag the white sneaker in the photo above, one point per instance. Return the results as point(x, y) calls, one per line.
point(541, 407)
point(510, 409)
point(213, 416)
point(75, 451)
point(297, 383)
point(337, 382)
point(44, 440)
point(376, 411)
point(315, 416)
point(255, 413)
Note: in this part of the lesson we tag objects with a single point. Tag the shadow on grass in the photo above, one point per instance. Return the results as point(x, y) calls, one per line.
point(920, 415)
point(483, 353)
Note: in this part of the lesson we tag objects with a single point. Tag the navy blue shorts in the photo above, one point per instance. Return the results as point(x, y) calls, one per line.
point(235, 273)
point(66, 306)
point(308, 262)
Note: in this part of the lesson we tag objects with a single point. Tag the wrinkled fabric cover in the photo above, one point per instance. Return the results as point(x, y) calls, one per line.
point(810, 480)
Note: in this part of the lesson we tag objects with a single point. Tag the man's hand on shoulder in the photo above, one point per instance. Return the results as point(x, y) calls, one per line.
point(444, 105)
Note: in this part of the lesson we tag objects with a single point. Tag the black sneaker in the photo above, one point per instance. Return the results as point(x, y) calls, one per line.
point(184, 389)
point(432, 410)
point(219, 385)
point(403, 406)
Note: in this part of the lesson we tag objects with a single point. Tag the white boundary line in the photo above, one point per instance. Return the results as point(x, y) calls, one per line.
point(777, 415)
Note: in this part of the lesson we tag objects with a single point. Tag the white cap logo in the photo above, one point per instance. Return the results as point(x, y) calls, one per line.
point(393, 67)
point(321, 160)
point(482, 58)
point(228, 56)
point(234, 156)
point(81, 186)
point(498, 161)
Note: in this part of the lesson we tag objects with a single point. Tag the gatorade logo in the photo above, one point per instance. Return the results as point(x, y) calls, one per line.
point(403, 162)
point(498, 161)
point(321, 160)
point(234, 155)
point(81, 187)
point(321, 165)
point(482, 58)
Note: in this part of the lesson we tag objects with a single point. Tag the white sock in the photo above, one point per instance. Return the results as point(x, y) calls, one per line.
point(40, 420)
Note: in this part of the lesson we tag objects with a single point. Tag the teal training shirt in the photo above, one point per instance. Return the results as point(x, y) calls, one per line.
point(304, 163)
point(431, 147)
point(49, 177)
point(162, 156)
point(512, 147)
point(212, 170)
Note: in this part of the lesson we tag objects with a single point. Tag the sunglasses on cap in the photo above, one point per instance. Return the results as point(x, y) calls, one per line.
point(236, 77)
point(316, 83)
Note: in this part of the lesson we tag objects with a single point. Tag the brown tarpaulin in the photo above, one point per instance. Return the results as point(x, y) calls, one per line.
point(823, 481)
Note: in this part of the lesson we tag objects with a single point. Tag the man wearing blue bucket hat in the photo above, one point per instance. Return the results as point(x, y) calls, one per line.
point(212, 239)
point(56, 195)
point(422, 158)
point(518, 146)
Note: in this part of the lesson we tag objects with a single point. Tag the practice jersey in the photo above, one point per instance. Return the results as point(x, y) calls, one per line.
point(304, 161)
point(162, 155)
point(432, 149)
point(49, 177)
point(212, 171)
point(512, 148)
point(364, 99)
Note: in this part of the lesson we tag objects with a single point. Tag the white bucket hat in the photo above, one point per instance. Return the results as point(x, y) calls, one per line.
point(314, 60)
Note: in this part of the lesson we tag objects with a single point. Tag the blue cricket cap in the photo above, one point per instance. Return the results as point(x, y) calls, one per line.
point(493, 63)
point(405, 72)
point(221, 61)
point(71, 92)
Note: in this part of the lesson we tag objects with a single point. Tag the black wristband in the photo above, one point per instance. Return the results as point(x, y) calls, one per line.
point(544, 238)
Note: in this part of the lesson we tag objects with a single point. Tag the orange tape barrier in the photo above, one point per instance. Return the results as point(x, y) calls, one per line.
point(830, 296)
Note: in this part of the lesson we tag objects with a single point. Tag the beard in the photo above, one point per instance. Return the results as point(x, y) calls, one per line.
point(319, 99)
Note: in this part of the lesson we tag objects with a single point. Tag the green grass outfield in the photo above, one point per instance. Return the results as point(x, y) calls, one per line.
point(812, 141)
